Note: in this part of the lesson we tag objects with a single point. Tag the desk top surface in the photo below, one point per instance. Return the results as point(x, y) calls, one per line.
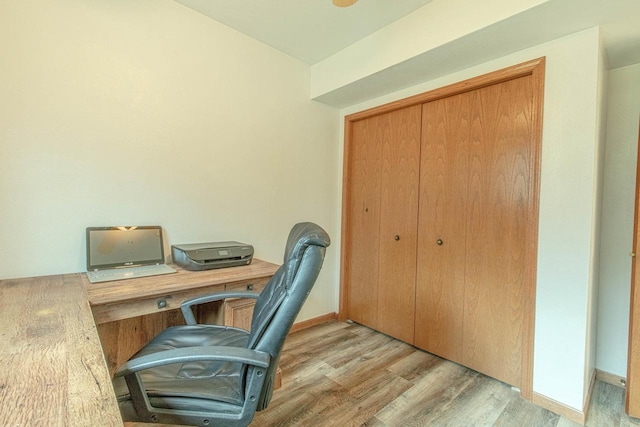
point(143, 287)
point(53, 369)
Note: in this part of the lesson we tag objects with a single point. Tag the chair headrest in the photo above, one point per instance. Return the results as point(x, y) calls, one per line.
point(302, 235)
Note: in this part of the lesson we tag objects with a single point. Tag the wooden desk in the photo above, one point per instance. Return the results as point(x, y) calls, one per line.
point(129, 313)
point(52, 369)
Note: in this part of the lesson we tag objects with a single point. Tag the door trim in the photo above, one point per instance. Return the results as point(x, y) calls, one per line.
point(632, 400)
point(535, 69)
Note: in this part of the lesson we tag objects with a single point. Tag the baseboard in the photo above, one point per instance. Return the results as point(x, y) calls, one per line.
point(559, 408)
point(612, 379)
point(565, 411)
point(305, 324)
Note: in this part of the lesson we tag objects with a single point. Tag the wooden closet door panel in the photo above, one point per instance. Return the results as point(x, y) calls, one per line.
point(500, 193)
point(364, 221)
point(398, 222)
point(632, 400)
point(443, 199)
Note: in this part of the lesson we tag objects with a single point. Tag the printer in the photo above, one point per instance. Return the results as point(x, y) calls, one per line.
point(207, 256)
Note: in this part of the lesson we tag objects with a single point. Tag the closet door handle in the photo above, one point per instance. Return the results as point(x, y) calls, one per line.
point(439, 242)
point(397, 237)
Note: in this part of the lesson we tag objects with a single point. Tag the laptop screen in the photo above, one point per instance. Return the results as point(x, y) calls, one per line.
point(111, 247)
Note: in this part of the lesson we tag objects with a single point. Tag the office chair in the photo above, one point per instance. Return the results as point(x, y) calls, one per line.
point(210, 375)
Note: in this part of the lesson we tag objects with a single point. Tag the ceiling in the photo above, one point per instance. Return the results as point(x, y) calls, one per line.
point(312, 30)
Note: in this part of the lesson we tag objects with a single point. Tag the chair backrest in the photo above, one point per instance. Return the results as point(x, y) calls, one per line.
point(281, 300)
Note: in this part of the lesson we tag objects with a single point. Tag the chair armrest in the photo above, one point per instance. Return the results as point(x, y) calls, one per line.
point(187, 311)
point(195, 354)
point(140, 399)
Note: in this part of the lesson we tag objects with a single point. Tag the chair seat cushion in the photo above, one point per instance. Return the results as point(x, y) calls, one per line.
point(209, 381)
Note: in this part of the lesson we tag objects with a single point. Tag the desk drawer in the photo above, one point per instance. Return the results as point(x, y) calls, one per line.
point(250, 286)
point(164, 302)
point(150, 305)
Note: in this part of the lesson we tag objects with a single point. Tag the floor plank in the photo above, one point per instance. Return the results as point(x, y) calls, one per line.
point(607, 407)
point(519, 412)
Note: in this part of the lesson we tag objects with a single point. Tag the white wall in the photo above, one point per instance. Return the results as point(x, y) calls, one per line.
point(600, 118)
point(567, 196)
point(146, 112)
point(617, 219)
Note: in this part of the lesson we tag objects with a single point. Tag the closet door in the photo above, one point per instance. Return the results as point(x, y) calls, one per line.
point(444, 166)
point(364, 219)
point(499, 198)
point(477, 166)
point(476, 193)
point(398, 221)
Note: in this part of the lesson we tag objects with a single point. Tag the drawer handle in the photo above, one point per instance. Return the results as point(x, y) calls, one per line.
point(250, 287)
point(439, 242)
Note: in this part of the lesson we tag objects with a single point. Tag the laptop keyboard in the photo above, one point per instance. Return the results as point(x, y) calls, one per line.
point(128, 273)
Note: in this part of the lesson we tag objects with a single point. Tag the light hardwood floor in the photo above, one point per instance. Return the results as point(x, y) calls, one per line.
point(340, 374)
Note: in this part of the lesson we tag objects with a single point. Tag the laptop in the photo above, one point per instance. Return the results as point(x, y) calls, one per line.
point(117, 253)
